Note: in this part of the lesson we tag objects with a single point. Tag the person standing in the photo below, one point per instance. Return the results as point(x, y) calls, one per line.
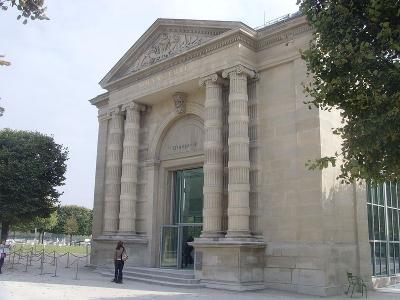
point(3, 254)
point(119, 258)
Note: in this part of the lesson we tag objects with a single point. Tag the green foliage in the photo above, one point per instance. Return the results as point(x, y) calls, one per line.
point(42, 224)
point(71, 226)
point(32, 165)
point(29, 9)
point(82, 215)
point(354, 61)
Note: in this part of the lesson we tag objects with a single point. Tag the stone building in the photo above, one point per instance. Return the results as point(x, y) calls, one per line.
point(203, 135)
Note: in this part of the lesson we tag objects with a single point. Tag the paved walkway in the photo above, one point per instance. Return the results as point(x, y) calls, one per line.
point(15, 284)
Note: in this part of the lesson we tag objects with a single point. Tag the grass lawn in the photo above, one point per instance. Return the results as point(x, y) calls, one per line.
point(81, 250)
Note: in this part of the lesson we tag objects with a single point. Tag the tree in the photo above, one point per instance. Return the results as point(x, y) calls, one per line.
point(82, 215)
point(71, 227)
point(41, 224)
point(32, 165)
point(354, 62)
point(45, 224)
point(29, 9)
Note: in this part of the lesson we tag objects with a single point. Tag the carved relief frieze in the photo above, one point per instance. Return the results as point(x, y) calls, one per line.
point(167, 45)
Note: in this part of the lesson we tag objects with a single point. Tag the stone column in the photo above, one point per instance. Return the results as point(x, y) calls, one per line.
point(98, 205)
point(130, 157)
point(238, 143)
point(113, 171)
point(213, 159)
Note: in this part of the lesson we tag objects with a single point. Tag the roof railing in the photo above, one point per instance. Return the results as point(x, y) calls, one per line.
point(279, 20)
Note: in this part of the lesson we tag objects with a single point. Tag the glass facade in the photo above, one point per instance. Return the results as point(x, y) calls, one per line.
point(383, 203)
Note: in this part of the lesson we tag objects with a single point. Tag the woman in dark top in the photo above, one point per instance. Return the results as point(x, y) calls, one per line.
point(119, 258)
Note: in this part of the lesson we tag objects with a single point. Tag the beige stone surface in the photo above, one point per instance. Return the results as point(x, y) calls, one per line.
point(314, 228)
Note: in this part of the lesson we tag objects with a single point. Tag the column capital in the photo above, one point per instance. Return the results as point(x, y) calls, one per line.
point(239, 69)
point(103, 116)
point(212, 78)
point(114, 111)
point(133, 106)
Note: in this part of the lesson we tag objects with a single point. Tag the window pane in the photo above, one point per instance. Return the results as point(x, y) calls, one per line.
point(383, 259)
point(376, 222)
point(383, 208)
point(369, 200)
point(382, 235)
point(391, 259)
point(396, 224)
point(388, 194)
point(377, 259)
point(390, 225)
point(375, 194)
point(380, 195)
point(371, 245)
point(398, 194)
point(397, 258)
point(370, 222)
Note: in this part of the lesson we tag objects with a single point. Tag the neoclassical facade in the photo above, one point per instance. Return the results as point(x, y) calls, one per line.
point(203, 139)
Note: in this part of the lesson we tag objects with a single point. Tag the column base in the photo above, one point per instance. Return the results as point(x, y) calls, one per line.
point(235, 235)
point(212, 235)
point(230, 264)
point(126, 233)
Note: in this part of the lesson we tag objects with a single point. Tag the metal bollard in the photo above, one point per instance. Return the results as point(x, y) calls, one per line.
point(55, 268)
point(41, 263)
point(12, 264)
point(77, 267)
point(54, 258)
point(67, 260)
point(30, 259)
point(87, 255)
point(26, 265)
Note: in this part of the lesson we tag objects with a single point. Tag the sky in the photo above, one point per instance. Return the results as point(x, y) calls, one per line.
point(56, 66)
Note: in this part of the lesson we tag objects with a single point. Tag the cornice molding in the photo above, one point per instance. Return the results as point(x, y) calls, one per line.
point(100, 100)
point(254, 40)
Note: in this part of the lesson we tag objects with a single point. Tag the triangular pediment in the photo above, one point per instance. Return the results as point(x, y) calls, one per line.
point(165, 39)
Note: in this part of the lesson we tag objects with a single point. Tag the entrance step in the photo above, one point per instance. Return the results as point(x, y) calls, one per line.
point(168, 277)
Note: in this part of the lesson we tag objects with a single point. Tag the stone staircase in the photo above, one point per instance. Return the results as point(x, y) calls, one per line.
point(167, 277)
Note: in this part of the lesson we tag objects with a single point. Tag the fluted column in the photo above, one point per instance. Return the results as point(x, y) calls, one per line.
point(98, 205)
point(213, 159)
point(113, 171)
point(127, 211)
point(238, 143)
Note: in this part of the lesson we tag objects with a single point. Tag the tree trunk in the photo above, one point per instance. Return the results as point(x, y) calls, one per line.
point(70, 239)
point(42, 236)
point(5, 226)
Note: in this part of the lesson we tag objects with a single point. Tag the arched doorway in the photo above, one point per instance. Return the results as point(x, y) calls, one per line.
point(181, 190)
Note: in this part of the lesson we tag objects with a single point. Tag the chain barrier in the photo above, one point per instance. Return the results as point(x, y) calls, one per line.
point(53, 258)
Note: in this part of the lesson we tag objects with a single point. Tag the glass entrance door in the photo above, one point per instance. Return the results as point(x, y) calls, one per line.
point(187, 218)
